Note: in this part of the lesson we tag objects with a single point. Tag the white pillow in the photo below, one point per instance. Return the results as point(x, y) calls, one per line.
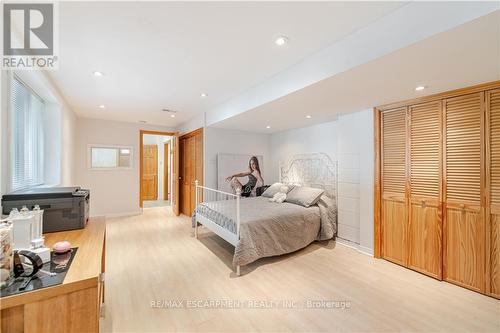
point(275, 188)
point(304, 195)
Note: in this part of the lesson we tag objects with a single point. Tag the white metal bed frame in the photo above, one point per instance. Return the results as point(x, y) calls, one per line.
point(314, 170)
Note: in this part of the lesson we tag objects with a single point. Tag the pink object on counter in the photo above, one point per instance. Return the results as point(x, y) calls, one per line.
point(61, 247)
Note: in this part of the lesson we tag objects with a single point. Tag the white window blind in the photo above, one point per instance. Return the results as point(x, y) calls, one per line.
point(27, 137)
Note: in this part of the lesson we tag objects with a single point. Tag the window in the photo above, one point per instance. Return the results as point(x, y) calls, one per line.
point(109, 157)
point(27, 137)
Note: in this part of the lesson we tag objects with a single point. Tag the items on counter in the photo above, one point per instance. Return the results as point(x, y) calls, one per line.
point(30, 273)
point(27, 231)
point(35, 263)
point(6, 258)
point(61, 247)
point(22, 231)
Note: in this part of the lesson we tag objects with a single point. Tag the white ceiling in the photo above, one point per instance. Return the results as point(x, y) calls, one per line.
point(159, 55)
point(466, 55)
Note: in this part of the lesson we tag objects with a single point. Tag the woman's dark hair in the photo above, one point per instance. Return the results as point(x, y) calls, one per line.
point(256, 162)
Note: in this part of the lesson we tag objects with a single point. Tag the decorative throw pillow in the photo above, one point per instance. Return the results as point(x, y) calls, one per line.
point(273, 189)
point(281, 195)
point(304, 195)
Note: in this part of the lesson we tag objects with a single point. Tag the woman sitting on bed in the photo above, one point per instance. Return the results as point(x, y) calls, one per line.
point(253, 174)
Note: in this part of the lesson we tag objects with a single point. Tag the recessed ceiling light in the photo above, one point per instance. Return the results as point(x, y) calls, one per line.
point(268, 127)
point(97, 73)
point(420, 88)
point(203, 95)
point(308, 117)
point(101, 106)
point(172, 116)
point(281, 40)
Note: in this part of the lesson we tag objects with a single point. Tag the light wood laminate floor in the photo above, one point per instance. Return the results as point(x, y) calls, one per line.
point(153, 257)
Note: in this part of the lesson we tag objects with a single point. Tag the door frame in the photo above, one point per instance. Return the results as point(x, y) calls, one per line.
point(181, 152)
point(141, 143)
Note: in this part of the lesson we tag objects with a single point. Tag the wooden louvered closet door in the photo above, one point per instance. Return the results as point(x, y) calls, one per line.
point(425, 208)
point(191, 169)
point(493, 214)
point(464, 224)
point(394, 213)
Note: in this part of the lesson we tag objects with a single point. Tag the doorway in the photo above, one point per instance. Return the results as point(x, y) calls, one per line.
point(156, 168)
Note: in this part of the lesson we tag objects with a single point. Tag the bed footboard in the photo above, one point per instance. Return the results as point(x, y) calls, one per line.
point(219, 212)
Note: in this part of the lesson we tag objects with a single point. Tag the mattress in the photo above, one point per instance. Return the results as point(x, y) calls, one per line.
point(267, 228)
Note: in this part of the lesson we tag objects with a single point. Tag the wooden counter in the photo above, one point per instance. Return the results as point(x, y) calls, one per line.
point(74, 305)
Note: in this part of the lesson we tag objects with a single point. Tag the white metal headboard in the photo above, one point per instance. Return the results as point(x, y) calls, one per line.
point(314, 170)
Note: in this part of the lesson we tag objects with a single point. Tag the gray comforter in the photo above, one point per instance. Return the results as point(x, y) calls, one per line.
point(270, 229)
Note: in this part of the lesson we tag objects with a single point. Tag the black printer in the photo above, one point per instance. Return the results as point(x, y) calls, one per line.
point(65, 208)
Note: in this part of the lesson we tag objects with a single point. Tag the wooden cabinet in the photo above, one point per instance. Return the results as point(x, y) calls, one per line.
point(437, 196)
point(74, 305)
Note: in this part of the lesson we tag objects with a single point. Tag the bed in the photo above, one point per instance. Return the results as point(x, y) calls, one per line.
point(259, 228)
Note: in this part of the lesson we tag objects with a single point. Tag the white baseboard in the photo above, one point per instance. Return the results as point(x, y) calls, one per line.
point(366, 250)
point(361, 249)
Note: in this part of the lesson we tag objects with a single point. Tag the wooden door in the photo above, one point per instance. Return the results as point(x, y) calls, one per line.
point(187, 173)
point(425, 217)
point(464, 223)
point(493, 199)
point(166, 188)
point(191, 169)
point(393, 179)
point(150, 172)
point(175, 175)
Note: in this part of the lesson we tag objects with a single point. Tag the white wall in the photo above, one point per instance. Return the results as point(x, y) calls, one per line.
point(193, 124)
point(321, 138)
point(69, 126)
point(218, 140)
point(349, 140)
point(112, 192)
point(356, 163)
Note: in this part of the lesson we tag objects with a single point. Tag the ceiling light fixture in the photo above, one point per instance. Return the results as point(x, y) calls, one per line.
point(281, 40)
point(142, 121)
point(308, 117)
point(102, 106)
point(97, 73)
point(268, 127)
point(203, 95)
point(172, 112)
point(420, 88)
